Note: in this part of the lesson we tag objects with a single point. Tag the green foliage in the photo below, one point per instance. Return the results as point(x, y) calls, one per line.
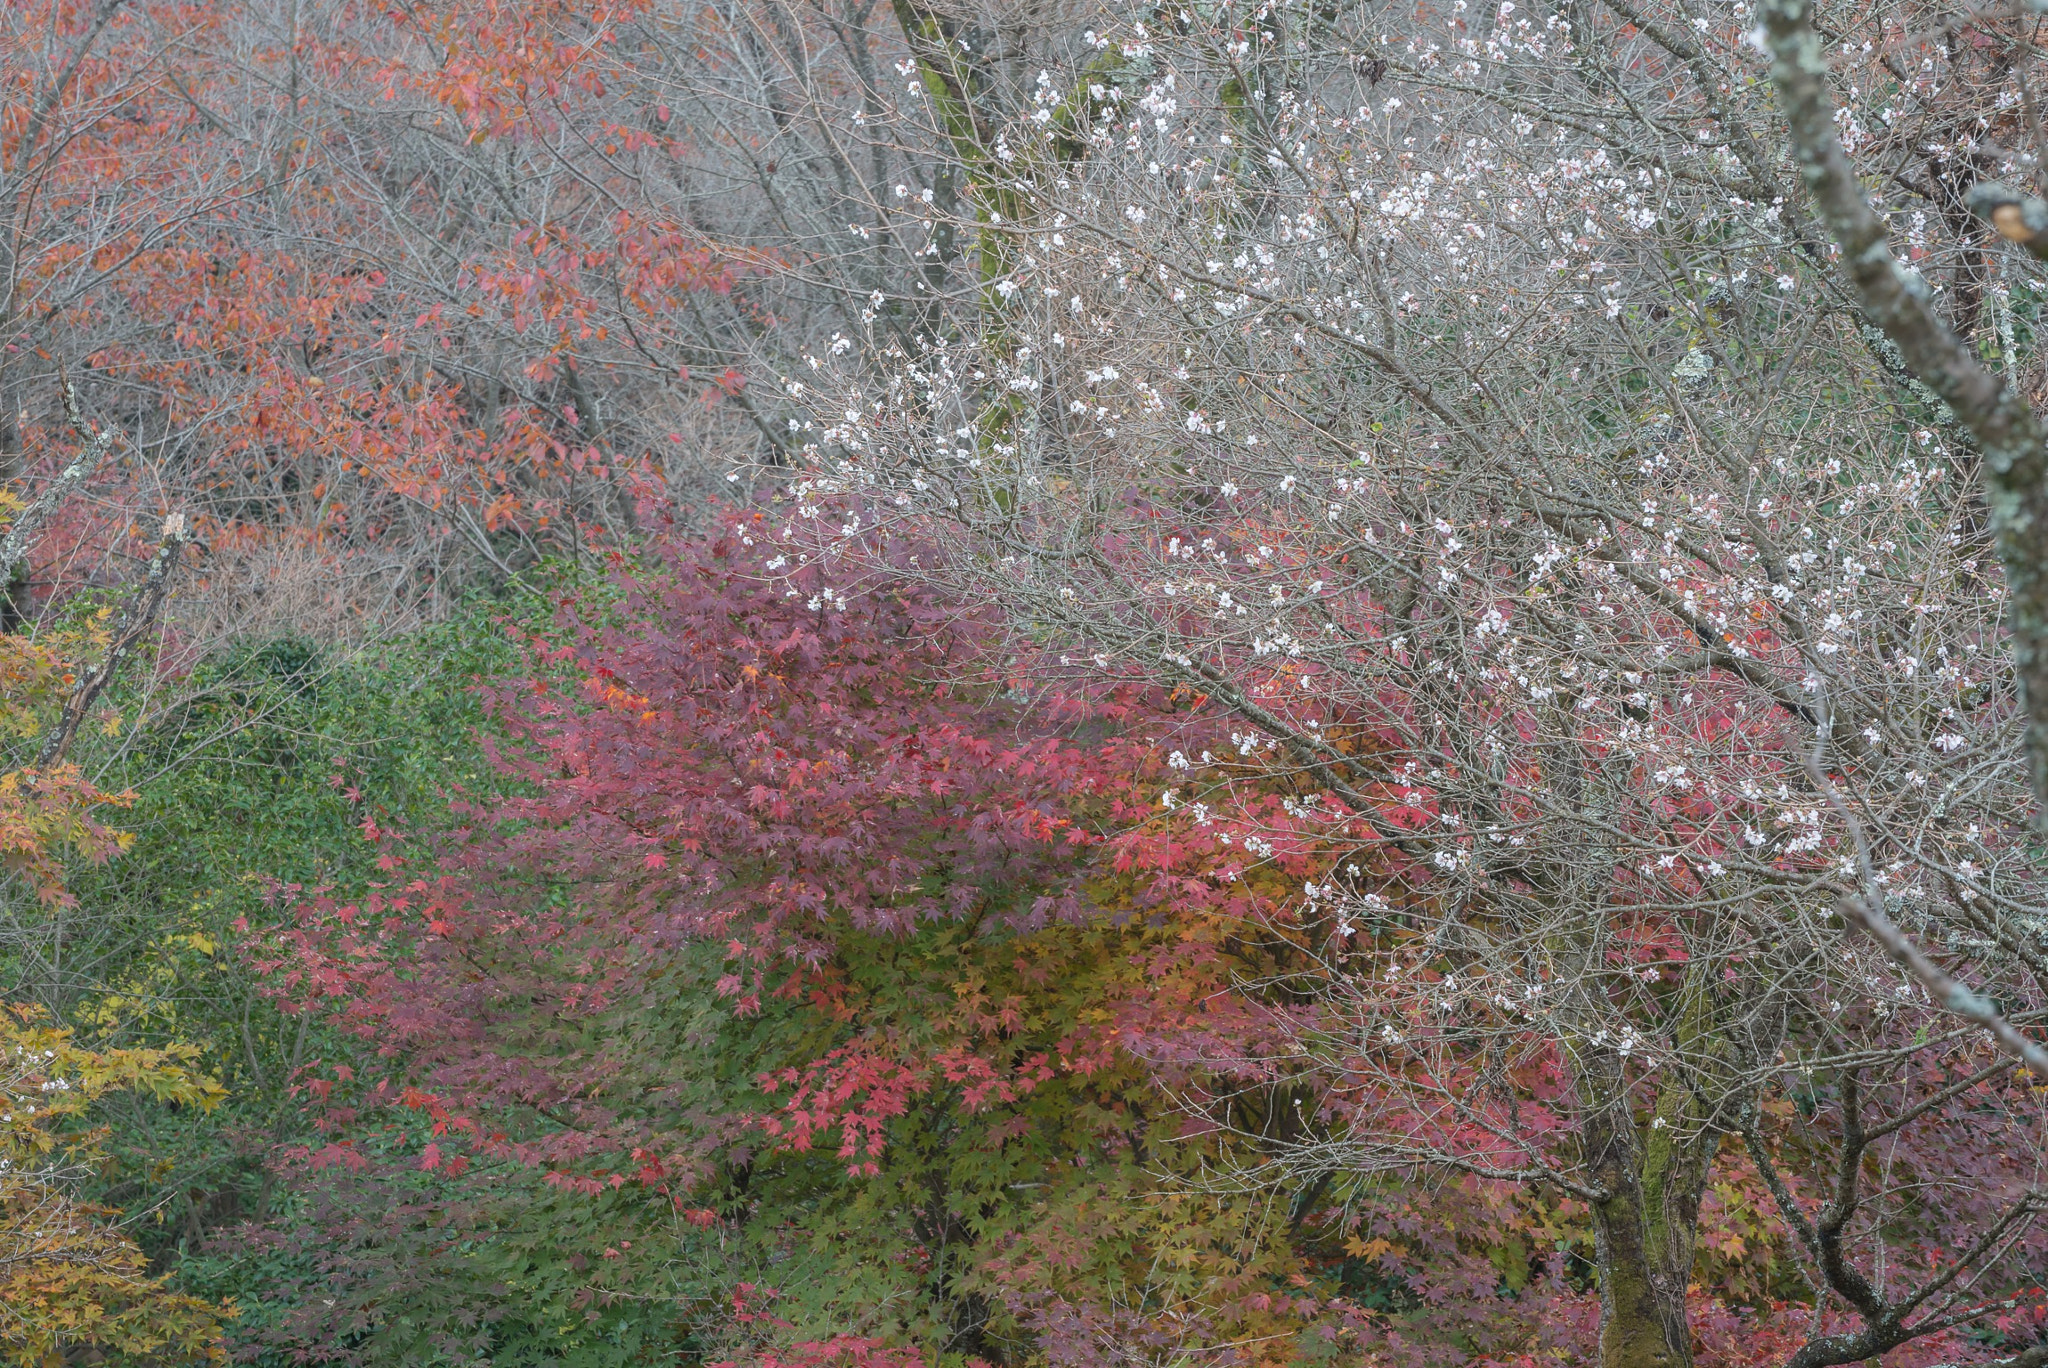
point(262, 774)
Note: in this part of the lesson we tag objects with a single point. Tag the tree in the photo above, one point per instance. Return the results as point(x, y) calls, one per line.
point(1494, 452)
point(365, 302)
point(797, 940)
point(2005, 429)
point(70, 1275)
point(71, 1278)
point(1577, 615)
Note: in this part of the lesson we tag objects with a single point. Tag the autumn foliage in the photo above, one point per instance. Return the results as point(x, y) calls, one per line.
point(70, 1277)
point(1191, 712)
point(344, 348)
point(847, 931)
point(811, 939)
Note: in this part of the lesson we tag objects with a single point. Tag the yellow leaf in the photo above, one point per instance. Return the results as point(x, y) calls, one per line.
point(1369, 1250)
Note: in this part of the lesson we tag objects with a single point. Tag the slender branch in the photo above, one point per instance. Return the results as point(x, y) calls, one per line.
point(1788, 1205)
point(2020, 1211)
point(2036, 1357)
point(136, 619)
point(1938, 1099)
point(1946, 991)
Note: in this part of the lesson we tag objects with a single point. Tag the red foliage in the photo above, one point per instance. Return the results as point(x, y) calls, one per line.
point(355, 359)
point(728, 759)
point(801, 773)
point(841, 1351)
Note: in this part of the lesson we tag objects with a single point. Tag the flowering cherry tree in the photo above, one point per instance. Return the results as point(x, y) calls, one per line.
point(1469, 410)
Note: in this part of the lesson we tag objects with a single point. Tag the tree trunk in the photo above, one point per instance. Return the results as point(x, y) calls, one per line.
point(1642, 1306)
point(1647, 1229)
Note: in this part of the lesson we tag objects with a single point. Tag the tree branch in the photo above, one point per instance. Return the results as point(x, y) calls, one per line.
point(136, 618)
point(1898, 301)
point(21, 533)
point(1946, 992)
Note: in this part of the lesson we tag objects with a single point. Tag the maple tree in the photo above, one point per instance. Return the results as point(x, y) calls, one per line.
point(269, 298)
point(813, 924)
point(70, 1276)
